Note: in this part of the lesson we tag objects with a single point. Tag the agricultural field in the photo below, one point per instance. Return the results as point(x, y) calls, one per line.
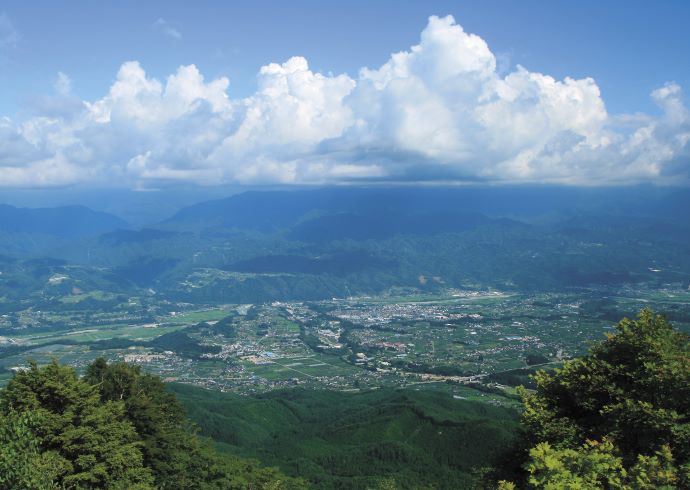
point(474, 344)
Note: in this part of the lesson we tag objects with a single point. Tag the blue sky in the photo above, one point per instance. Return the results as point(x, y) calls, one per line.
point(56, 57)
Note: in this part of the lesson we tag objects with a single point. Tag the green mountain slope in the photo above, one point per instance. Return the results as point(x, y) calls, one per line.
point(113, 428)
point(346, 440)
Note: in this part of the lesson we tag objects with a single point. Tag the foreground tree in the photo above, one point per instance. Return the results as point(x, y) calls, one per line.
point(178, 458)
point(618, 417)
point(83, 442)
point(598, 465)
point(115, 428)
point(22, 465)
point(169, 446)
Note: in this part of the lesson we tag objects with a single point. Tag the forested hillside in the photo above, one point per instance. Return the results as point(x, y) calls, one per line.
point(113, 428)
point(618, 418)
point(418, 439)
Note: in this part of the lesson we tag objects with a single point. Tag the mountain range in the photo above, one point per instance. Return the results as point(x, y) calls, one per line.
point(313, 243)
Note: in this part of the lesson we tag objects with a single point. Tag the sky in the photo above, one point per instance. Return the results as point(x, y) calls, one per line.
point(144, 95)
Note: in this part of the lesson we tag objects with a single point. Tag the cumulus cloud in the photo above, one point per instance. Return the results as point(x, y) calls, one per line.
point(440, 111)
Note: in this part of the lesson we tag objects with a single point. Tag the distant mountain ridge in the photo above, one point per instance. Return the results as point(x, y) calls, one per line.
point(319, 243)
point(63, 222)
point(334, 214)
point(274, 210)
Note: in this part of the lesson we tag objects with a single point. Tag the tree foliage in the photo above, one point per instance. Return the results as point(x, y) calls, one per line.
point(169, 448)
point(91, 444)
point(22, 465)
point(115, 428)
point(598, 465)
point(618, 417)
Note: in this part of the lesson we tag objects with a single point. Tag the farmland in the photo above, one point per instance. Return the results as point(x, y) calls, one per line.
point(458, 340)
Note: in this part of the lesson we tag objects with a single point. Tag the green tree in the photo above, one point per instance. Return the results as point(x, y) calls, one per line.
point(178, 458)
point(631, 392)
point(168, 445)
point(88, 444)
point(598, 465)
point(117, 429)
point(22, 465)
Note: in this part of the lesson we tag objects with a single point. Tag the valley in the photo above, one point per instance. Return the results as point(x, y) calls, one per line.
point(354, 338)
point(471, 344)
point(463, 290)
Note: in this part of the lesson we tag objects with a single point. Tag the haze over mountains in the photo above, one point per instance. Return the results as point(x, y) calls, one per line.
point(64, 222)
point(342, 241)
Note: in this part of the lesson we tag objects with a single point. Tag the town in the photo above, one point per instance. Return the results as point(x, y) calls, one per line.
point(460, 339)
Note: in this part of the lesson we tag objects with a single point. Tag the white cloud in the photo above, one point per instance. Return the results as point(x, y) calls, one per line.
point(278, 127)
point(165, 27)
point(440, 111)
point(62, 84)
